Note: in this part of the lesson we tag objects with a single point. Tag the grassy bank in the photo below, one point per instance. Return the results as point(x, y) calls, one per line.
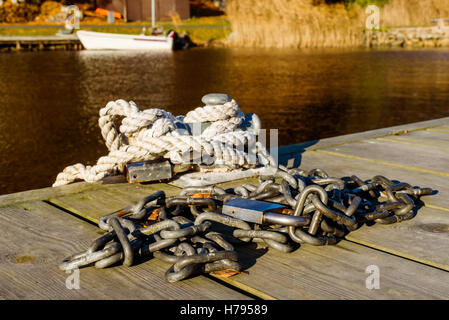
point(201, 30)
point(314, 23)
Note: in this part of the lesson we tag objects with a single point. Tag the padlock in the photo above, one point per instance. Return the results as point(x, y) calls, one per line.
point(147, 171)
point(261, 212)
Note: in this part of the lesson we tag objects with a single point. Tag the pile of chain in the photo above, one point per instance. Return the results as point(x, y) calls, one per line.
point(190, 232)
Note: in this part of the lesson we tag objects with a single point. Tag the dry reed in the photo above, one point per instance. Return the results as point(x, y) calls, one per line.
point(305, 24)
point(413, 12)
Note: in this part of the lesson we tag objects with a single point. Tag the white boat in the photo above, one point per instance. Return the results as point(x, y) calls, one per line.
point(114, 41)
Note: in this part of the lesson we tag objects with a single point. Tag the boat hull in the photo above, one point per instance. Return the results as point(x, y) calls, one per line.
point(112, 41)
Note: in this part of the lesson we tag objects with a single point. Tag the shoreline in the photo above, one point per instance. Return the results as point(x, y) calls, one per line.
point(43, 37)
point(72, 43)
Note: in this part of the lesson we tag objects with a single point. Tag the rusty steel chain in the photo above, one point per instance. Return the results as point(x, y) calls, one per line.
point(196, 231)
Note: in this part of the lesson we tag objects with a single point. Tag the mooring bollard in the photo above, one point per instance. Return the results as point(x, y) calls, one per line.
point(211, 99)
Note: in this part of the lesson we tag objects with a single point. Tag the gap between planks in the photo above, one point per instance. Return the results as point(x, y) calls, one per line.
point(243, 287)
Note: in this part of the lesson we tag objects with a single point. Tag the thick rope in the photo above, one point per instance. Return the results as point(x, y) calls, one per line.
point(153, 134)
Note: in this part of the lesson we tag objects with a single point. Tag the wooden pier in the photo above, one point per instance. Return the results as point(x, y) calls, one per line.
point(35, 43)
point(41, 227)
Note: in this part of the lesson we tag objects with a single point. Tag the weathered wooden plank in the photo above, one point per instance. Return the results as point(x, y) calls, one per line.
point(290, 151)
point(443, 127)
point(417, 158)
point(439, 129)
point(338, 272)
point(424, 238)
point(46, 193)
point(427, 134)
point(36, 237)
point(422, 138)
point(341, 167)
point(93, 204)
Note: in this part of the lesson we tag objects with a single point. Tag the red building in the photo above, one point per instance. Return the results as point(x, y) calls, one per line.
point(135, 10)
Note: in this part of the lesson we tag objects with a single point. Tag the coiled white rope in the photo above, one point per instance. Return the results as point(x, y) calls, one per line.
point(156, 134)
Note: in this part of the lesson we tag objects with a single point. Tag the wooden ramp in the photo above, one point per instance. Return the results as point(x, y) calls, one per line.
point(41, 227)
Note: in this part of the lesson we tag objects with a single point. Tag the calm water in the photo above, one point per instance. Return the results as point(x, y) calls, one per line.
point(50, 100)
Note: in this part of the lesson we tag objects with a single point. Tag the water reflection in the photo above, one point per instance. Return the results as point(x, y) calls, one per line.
point(50, 100)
